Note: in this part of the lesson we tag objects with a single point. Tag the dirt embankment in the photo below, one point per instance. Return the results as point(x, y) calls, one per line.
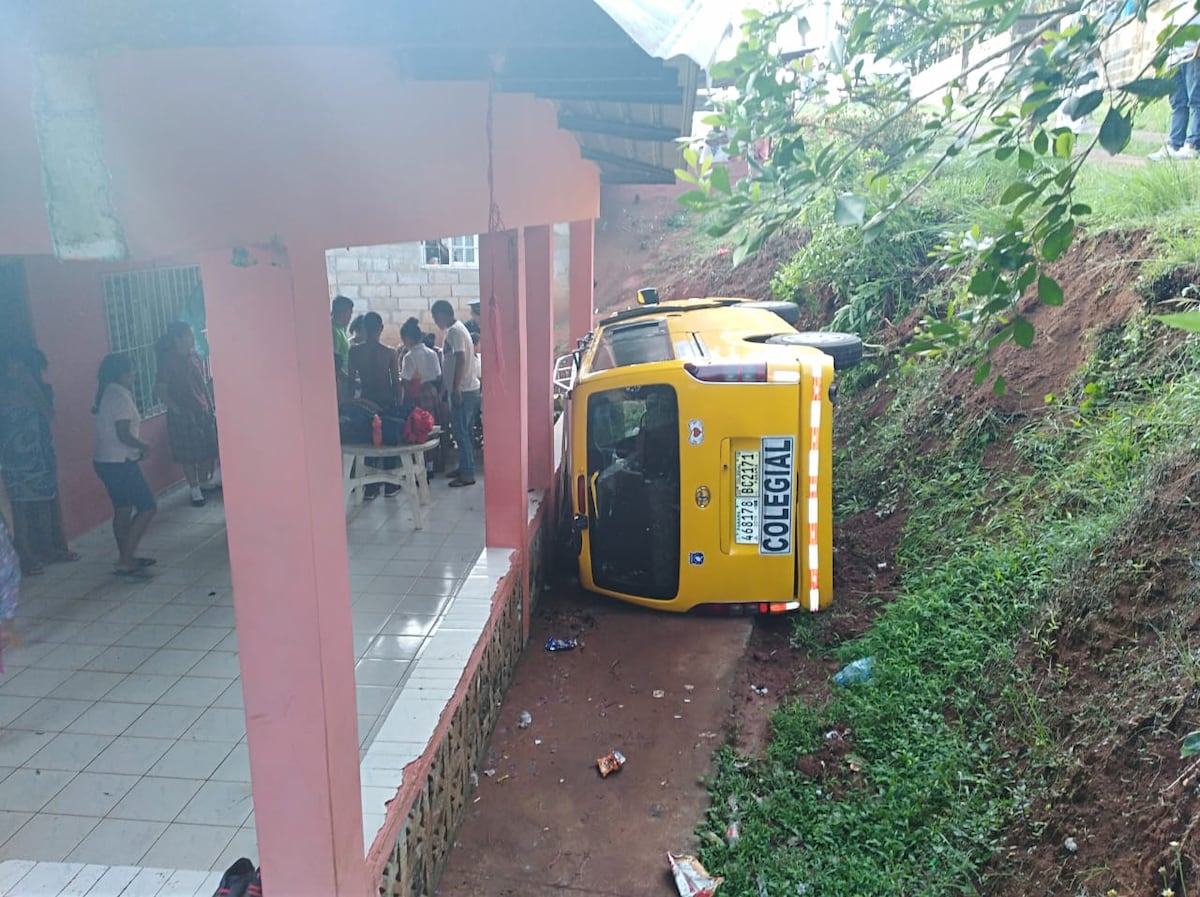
point(1115, 666)
point(646, 239)
point(1117, 662)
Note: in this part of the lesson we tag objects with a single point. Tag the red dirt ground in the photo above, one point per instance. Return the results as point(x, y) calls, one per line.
point(545, 822)
point(1115, 667)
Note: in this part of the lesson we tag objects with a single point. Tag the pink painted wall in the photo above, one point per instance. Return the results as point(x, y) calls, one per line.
point(316, 145)
point(212, 148)
point(67, 303)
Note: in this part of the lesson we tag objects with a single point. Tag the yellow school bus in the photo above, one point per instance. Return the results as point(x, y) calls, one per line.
point(698, 456)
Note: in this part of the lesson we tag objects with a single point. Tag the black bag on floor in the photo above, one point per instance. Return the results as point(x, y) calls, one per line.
point(237, 879)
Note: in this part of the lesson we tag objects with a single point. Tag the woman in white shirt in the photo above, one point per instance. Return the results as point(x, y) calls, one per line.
point(421, 369)
point(421, 374)
point(115, 459)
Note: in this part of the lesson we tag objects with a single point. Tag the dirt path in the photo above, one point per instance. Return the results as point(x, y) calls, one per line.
point(545, 823)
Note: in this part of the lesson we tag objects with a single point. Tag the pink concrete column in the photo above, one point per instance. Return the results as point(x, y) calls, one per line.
point(539, 311)
point(268, 319)
point(505, 390)
point(582, 278)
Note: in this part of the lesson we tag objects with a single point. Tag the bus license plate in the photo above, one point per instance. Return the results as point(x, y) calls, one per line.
point(745, 521)
point(747, 475)
point(746, 468)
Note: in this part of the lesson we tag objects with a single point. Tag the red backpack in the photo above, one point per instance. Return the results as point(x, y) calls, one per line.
point(418, 426)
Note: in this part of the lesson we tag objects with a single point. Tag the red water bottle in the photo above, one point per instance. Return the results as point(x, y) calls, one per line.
point(376, 431)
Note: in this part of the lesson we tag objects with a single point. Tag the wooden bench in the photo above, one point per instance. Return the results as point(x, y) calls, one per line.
point(408, 474)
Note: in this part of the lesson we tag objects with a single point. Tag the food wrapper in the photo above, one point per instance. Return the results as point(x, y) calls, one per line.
point(691, 879)
point(610, 763)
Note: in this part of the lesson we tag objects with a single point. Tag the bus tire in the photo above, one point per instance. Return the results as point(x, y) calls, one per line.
point(789, 311)
point(846, 349)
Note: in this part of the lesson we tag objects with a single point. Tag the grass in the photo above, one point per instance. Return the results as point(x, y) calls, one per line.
point(932, 781)
point(1151, 195)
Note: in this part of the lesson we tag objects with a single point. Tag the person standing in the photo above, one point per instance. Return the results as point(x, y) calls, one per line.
point(461, 387)
point(375, 366)
point(421, 370)
point(10, 576)
point(421, 375)
point(1183, 136)
point(341, 311)
point(116, 457)
point(28, 461)
point(191, 422)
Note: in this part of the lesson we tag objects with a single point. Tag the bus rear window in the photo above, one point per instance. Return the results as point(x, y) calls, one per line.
point(642, 342)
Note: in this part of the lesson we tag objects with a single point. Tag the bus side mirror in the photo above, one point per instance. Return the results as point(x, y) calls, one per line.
point(647, 296)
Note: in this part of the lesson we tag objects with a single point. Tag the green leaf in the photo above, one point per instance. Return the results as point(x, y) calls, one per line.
point(1025, 159)
point(1049, 292)
point(1041, 143)
point(982, 371)
point(686, 176)
point(1058, 241)
point(1078, 107)
point(1004, 152)
point(1149, 87)
point(1115, 131)
point(693, 199)
point(1015, 190)
point(850, 209)
point(1064, 143)
point(1190, 746)
point(982, 282)
point(1184, 320)
point(1003, 335)
point(1000, 387)
point(720, 180)
point(690, 156)
point(1023, 333)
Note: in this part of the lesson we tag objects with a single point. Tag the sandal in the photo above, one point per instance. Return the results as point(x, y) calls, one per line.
point(459, 481)
point(66, 557)
point(135, 572)
point(145, 562)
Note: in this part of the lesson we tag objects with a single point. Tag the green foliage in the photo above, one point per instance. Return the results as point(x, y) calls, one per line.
point(1150, 196)
point(931, 783)
point(1184, 320)
point(1002, 112)
point(874, 278)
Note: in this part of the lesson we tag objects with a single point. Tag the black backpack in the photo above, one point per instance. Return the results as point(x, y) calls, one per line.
point(354, 423)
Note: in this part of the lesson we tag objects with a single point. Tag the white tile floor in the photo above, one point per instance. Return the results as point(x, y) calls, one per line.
point(122, 738)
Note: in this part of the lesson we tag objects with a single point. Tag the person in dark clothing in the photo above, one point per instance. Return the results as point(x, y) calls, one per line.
point(376, 367)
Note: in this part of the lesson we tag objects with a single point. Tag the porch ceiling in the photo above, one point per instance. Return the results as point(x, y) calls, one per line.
point(595, 59)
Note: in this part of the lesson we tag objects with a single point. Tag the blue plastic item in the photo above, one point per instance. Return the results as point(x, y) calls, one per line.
point(859, 671)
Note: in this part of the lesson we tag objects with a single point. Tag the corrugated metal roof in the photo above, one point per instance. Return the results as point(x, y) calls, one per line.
point(670, 28)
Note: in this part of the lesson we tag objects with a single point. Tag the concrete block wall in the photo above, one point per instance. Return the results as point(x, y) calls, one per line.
point(392, 280)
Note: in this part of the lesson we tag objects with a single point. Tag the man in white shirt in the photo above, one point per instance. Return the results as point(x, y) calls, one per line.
point(461, 387)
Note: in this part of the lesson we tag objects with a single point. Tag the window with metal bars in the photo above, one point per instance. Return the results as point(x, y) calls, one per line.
point(462, 252)
point(138, 306)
